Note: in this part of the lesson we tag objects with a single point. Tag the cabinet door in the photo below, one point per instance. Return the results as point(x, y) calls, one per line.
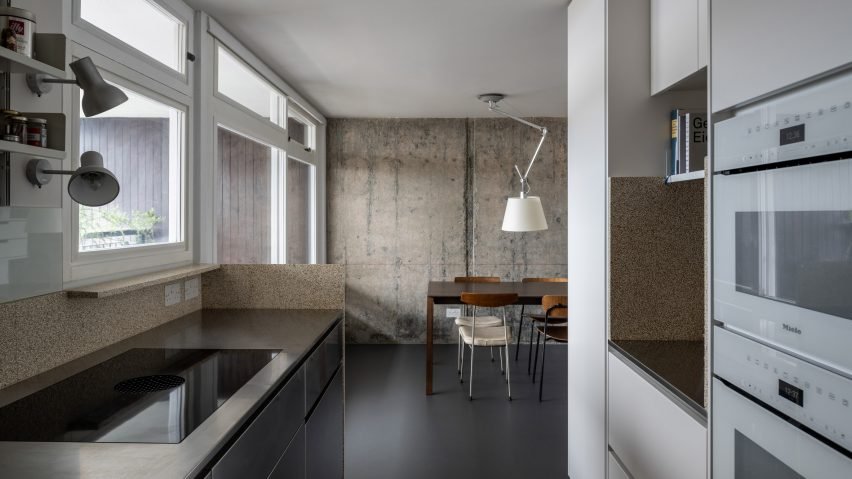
point(324, 433)
point(760, 46)
point(674, 42)
point(292, 463)
point(653, 437)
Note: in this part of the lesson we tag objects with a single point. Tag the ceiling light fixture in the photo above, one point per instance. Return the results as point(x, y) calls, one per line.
point(523, 213)
point(90, 185)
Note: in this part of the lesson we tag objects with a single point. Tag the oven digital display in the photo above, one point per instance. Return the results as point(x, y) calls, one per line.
point(790, 392)
point(793, 134)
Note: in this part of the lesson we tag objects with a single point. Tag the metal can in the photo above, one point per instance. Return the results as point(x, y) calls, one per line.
point(17, 29)
point(12, 138)
point(37, 132)
point(18, 126)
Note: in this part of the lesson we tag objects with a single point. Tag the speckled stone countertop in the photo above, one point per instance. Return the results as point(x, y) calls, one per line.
point(294, 332)
point(676, 365)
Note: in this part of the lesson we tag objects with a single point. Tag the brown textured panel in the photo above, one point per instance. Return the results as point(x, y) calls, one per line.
point(275, 286)
point(656, 259)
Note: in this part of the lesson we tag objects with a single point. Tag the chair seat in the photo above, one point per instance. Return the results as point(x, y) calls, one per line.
point(556, 333)
point(485, 336)
point(480, 321)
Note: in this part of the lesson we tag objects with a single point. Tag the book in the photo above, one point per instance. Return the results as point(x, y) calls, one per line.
point(673, 146)
point(688, 145)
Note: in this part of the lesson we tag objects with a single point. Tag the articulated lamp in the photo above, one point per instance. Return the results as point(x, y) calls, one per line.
point(98, 95)
point(523, 213)
point(90, 185)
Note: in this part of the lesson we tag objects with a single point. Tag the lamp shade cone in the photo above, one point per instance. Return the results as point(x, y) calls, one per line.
point(92, 184)
point(98, 95)
point(524, 214)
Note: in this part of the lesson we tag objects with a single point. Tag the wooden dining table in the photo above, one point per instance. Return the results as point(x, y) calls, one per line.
point(449, 292)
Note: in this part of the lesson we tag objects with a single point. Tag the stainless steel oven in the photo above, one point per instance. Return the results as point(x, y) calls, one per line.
point(783, 222)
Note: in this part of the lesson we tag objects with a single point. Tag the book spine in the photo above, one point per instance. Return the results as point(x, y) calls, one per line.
point(673, 145)
point(686, 142)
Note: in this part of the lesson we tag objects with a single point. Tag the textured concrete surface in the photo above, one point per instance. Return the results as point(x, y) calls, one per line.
point(274, 286)
point(40, 333)
point(656, 259)
point(414, 200)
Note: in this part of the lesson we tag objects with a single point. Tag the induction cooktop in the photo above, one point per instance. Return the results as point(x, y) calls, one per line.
point(142, 396)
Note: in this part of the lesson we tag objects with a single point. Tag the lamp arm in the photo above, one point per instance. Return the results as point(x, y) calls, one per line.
point(58, 80)
point(492, 106)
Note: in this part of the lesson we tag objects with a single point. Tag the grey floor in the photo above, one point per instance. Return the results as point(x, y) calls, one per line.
point(393, 430)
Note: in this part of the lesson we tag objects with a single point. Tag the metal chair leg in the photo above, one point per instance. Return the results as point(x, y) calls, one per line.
point(470, 379)
point(543, 355)
point(461, 363)
point(508, 373)
point(520, 328)
point(500, 353)
point(535, 364)
point(529, 360)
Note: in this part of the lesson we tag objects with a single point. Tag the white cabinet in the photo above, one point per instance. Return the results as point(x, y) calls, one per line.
point(653, 437)
point(678, 41)
point(760, 46)
point(615, 471)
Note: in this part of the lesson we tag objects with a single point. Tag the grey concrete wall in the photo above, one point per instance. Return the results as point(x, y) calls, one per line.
point(414, 200)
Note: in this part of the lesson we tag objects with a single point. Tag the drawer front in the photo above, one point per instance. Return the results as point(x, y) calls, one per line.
point(324, 434)
point(13, 229)
point(13, 248)
point(292, 463)
point(321, 365)
point(258, 449)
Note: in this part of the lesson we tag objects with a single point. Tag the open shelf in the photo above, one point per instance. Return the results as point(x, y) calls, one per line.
point(14, 62)
point(692, 175)
point(33, 151)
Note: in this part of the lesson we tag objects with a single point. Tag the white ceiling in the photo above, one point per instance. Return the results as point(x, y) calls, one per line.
point(408, 58)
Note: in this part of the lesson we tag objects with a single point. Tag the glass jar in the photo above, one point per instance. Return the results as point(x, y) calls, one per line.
point(37, 132)
point(18, 126)
point(4, 117)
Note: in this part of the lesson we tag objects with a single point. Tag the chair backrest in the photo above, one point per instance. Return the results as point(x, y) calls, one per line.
point(544, 280)
point(551, 300)
point(476, 279)
point(489, 300)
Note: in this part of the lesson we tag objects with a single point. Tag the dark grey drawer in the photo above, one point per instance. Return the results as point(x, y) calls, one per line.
point(258, 449)
point(321, 365)
point(324, 434)
point(292, 463)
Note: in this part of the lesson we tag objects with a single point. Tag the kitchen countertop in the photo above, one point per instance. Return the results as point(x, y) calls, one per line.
point(294, 332)
point(678, 366)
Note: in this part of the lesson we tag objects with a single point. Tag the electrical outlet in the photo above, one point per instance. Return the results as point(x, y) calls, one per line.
point(453, 313)
point(191, 288)
point(173, 294)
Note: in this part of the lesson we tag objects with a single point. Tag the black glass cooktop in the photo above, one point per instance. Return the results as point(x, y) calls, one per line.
point(142, 395)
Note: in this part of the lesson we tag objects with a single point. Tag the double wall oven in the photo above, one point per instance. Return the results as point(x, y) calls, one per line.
point(782, 278)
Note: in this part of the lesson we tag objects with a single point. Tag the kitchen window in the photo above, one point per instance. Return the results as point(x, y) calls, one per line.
point(237, 82)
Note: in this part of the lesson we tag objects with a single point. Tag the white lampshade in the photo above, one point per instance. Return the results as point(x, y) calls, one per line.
point(524, 214)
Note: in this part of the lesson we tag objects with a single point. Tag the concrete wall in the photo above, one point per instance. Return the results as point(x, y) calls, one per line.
point(414, 200)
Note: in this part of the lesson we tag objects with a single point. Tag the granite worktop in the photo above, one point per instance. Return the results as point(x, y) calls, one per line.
point(294, 332)
point(676, 365)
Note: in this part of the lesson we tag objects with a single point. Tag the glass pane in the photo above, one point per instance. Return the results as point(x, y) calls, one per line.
point(142, 24)
point(751, 461)
point(243, 85)
point(30, 252)
point(244, 212)
point(141, 141)
point(299, 212)
point(297, 130)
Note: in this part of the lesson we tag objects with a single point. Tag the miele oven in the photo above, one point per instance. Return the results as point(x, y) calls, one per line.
point(782, 223)
point(776, 416)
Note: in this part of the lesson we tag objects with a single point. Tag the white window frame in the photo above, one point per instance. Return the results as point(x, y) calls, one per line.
point(214, 110)
point(281, 108)
point(88, 35)
point(86, 267)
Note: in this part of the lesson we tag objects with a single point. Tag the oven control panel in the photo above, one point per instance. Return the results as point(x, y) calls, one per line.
point(811, 122)
point(819, 399)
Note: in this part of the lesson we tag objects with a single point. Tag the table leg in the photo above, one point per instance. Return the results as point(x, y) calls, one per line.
point(430, 307)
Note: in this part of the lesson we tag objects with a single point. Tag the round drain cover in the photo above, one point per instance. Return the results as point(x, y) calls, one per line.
point(149, 384)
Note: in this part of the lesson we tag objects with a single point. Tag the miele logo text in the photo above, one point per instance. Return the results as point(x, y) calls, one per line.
point(791, 329)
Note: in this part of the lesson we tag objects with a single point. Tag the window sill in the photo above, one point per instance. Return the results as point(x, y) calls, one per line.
point(126, 285)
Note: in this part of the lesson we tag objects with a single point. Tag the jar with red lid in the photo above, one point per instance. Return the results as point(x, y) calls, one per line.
point(37, 132)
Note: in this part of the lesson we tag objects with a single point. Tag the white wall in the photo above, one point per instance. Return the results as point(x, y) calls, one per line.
point(587, 239)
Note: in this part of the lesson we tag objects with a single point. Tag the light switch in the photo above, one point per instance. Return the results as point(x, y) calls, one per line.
point(453, 313)
point(174, 294)
point(191, 288)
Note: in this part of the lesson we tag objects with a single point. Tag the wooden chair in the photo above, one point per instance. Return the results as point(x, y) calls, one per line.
point(467, 320)
point(554, 326)
point(477, 335)
point(521, 323)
